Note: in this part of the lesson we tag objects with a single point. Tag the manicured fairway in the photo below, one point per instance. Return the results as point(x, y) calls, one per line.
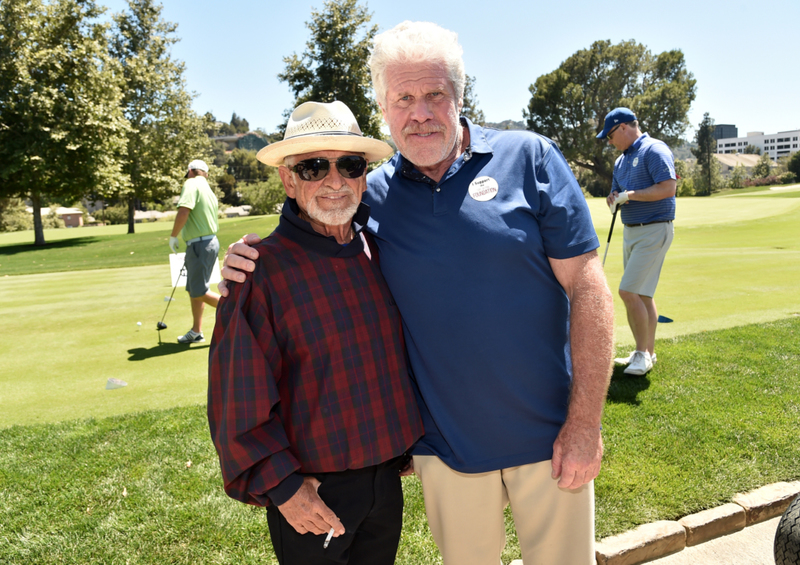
point(735, 260)
point(70, 331)
point(91, 475)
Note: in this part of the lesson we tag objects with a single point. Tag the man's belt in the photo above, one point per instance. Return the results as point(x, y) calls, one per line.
point(201, 238)
point(647, 223)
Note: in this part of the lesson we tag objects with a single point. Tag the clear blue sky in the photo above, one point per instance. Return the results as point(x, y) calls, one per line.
point(744, 54)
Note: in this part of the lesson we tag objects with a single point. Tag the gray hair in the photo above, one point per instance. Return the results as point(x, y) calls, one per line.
point(417, 41)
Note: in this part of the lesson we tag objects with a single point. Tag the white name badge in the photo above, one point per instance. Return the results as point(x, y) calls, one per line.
point(483, 189)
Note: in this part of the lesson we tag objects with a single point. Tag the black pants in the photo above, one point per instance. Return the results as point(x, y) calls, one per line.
point(369, 502)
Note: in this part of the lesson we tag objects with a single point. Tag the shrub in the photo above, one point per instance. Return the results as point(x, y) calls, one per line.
point(763, 181)
point(14, 216)
point(117, 214)
point(787, 178)
point(264, 197)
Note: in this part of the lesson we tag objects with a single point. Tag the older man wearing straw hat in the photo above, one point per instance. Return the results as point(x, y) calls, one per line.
point(309, 402)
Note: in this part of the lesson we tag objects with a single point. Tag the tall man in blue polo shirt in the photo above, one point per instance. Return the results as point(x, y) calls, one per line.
point(644, 190)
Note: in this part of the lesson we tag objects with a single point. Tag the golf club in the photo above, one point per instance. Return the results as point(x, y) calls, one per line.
point(613, 219)
point(161, 325)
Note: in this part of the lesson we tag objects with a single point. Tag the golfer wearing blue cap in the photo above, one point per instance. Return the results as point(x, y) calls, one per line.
point(643, 188)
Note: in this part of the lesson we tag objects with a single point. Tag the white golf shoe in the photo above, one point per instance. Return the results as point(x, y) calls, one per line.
point(627, 360)
point(640, 364)
point(191, 337)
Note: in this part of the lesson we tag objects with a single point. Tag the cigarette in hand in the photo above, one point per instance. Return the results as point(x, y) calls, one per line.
point(328, 539)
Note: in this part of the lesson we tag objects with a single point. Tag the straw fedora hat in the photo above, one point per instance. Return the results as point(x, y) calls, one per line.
point(317, 126)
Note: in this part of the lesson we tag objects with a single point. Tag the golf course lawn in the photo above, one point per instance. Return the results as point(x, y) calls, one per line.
point(129, 475)
point(67, 332)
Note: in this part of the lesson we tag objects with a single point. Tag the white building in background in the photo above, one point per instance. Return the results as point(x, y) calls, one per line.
point(781, 144)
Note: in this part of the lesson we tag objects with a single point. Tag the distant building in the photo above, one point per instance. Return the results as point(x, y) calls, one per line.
point(775, 145)
point(721, 131)
point(728, 162)
point(72, 217)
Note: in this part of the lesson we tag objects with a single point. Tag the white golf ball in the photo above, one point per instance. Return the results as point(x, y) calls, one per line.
point(138, 323)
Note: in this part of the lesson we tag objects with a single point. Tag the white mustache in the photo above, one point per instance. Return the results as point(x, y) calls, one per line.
point(411, 130)
point(346, 190)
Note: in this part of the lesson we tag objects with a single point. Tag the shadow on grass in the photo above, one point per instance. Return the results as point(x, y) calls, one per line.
point(10, 250)
point(142, 353)
point(625, 389)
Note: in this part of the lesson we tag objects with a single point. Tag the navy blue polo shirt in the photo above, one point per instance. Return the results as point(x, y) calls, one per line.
point(646, 162)
point(485, 320)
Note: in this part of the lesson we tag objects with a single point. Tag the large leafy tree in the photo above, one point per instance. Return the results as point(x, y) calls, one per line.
point(570, 104)
point(165, 134)
point(334, 64)
point(60, 122)
point(706, 147)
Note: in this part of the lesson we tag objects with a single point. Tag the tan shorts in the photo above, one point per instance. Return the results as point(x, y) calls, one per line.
point(643, 251)
point(465, 514)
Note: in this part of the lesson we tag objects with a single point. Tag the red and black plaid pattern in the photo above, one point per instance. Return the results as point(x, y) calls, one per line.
point(307, 371)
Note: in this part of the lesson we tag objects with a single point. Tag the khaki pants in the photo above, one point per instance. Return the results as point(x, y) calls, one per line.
point(465, 513)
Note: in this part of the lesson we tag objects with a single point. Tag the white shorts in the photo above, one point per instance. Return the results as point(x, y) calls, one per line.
point(643, 251)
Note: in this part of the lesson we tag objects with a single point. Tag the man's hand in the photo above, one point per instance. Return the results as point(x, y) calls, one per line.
point(174, 244)
point(577, 455)
point(616, 199)
point(306, 512)
point(236, 260)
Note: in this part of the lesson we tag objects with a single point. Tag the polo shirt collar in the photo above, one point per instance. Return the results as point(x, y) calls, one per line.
point(300, 231)
point(636, 144)
point(477, 144)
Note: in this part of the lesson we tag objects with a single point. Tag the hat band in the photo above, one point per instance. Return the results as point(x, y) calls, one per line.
point(319, 134)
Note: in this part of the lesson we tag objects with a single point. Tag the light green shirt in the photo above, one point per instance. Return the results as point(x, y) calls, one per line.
point(201, 200)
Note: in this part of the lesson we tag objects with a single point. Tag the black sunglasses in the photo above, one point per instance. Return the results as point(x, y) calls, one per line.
point(611, 132)
point(349, 166)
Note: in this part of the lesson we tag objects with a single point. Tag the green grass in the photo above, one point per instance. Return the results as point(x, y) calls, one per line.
point(718, 415)
point(108, 247)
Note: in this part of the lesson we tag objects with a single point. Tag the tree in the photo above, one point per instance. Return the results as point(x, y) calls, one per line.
point(244, 166)
point(265, 197)
point(470, 108)
point(684, 171)
point(14, 216)
point(165, 134)
point(763, 168)
point(239, 125)
point(706, 147)
point(60, 123)
point(793, 164)
point(334, 64)
point(570, 104)
point(752, 150)
point(738, 176)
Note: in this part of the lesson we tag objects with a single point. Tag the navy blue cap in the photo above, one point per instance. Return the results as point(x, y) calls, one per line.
point(615, 117)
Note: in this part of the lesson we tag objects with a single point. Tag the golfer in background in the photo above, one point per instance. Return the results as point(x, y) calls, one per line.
point(197, 224)
point(643, 188)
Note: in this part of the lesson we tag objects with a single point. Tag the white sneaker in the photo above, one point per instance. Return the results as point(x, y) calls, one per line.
point(191, 337)
point(627, 360)
point(640, 363)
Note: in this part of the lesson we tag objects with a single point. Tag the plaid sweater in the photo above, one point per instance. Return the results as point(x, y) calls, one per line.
point(307, 366)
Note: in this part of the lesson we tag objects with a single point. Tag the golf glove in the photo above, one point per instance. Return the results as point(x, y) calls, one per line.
point(622, 198)
point(174, 244)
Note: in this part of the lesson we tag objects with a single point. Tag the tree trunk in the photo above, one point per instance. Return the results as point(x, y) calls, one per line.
point(38, 228)
point(131, 209)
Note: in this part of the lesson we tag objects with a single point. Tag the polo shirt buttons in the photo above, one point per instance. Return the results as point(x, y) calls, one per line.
point(438, 189)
